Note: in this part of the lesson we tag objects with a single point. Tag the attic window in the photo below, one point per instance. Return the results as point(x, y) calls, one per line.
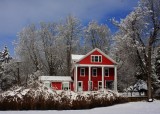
point(96, 58)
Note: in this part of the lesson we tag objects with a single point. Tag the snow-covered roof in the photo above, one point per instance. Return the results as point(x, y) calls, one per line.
point(76, 57)
point(55, 78)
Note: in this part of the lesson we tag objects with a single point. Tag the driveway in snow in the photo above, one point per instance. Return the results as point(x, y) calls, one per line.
point(128, 108)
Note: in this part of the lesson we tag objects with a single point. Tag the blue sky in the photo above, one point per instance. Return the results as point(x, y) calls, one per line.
point(16, 14)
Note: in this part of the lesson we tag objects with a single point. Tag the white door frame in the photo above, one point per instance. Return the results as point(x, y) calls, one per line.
point(98, 84)
point(89, 85)
point(81, 85)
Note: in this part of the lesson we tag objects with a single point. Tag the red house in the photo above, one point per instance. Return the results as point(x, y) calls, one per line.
point(91, 72)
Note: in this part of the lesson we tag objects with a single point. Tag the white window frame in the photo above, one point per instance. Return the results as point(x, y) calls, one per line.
point(105, 71)
point(98, 59)
point(88, 85)
point(68, 85)
point(98, 84)
point(81, 84)
point(81, 72)
point(93, 73)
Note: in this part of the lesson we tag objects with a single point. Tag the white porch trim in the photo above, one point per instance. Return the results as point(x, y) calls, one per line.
point(115, 78)
point(87, 65)
point(89, 74)
point(102, 77)
point(75, 85)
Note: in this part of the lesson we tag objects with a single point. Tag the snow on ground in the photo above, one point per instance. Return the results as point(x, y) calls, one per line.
point(128, 108)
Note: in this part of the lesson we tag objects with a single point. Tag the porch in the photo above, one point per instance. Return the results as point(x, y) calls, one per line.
point(95, 77)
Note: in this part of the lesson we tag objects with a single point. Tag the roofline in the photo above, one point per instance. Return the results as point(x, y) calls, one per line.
point(101, 53)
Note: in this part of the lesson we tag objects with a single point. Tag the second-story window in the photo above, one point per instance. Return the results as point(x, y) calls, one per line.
point(96, 58)
point(82, 72)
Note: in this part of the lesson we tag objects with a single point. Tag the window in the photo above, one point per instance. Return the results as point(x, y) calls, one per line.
point(106, 72)
point(90, 85)
point(65, 86)
point(99, 85)
point(82, 71)
point(94, 72)
point(47, 84)
point(96, 58)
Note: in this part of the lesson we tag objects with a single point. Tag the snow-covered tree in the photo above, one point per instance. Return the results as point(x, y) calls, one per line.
point(50, 50)
point(7, 77)
point(97, 36)
point(4, 55)
point(70, 33)
point(141, 30)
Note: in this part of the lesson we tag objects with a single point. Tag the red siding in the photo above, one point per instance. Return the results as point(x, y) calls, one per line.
point(97, 78)
point(71, 85)
point(87, 60)
point(84, 79)
point(57, 85)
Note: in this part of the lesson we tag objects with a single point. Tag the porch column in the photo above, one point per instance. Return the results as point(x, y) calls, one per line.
point(102, 78)
point(76, 87)
point(89, 74)
point(115, 78)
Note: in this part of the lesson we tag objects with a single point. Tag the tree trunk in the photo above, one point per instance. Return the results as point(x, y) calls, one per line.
point(68, 61)
point(149, 74)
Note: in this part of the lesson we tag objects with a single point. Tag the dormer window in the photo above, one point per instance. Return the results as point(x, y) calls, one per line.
point(96, 58)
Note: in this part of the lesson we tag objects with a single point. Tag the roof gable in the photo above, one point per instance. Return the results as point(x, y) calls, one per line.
point(105, 58)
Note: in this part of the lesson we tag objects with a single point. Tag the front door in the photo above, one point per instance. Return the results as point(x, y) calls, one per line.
point(109, 85)
point(99, 85)
point(80, 86)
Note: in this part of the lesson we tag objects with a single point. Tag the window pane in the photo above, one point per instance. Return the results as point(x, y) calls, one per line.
point(96, 58)
point(100, 59)
point(92, 58)
point(82, 72)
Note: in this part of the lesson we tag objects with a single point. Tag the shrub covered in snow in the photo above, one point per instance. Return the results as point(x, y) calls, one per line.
point(42, 98)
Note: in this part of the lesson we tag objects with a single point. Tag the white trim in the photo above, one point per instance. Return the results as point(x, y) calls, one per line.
point(81, 85)
point(75, 84)
point(99, 52)
point(102, 78)
point(55, 78)
point(98, 85)
point(81, 72)
point(92, 72)
point(105, 71)
point(89, 85)
point(115, 78)
point(94, 65)
point(94, 58)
